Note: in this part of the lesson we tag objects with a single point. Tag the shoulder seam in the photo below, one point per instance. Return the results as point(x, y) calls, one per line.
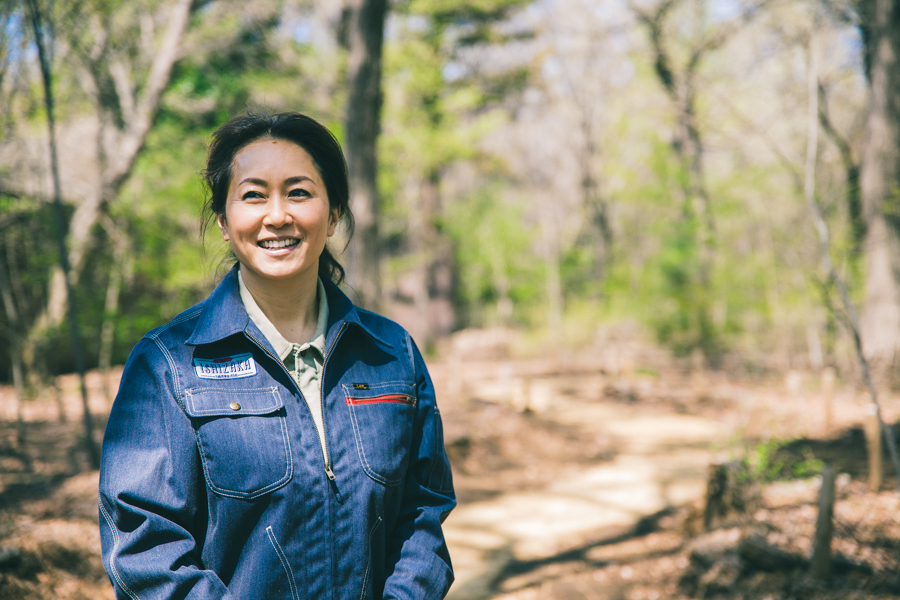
point(155, 333)
point(176, 382)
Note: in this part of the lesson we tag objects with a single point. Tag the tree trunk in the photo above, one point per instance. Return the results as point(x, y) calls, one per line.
point(12, 317)
point(90, 445)
point(121, 272)
point(880, 178)
point(500, 280)
point(552, 276)
point(364, 37)
point(851, 168)
point(592, 200)
point(687, 146)
point(118, 149)
point(435, 278)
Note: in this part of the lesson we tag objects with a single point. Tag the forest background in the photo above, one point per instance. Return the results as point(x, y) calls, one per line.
point(573, 178)
point(548, 166)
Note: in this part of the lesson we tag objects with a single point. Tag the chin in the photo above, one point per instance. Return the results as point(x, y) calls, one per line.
point(279, 275)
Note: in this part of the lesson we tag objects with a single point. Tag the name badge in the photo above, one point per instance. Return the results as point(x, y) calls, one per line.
point(226, 367)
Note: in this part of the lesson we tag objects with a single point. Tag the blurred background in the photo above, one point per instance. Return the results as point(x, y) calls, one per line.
point(687, 207)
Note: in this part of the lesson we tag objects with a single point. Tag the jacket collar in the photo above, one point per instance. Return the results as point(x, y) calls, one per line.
point(341, 311)
point(224, 314)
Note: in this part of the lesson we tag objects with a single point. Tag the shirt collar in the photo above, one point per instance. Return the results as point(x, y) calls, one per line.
point(282, 346)
point(223, 314)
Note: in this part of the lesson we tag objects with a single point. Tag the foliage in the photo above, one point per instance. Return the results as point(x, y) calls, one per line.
point(493, 244)
point(772, 460)
point(498, 117)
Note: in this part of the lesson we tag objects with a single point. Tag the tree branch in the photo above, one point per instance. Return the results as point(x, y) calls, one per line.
point(717, 39)
point(825, 248)
point(654, 23)
point(147, 104)
point(121, 77)
point(851, 167)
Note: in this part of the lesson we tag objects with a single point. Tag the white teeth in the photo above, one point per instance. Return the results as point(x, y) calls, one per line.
point(275, 244)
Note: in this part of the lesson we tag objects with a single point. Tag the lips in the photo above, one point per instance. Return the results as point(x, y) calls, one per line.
point(278, 244)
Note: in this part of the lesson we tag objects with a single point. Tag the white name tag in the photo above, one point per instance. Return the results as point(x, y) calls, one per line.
point(226, 367)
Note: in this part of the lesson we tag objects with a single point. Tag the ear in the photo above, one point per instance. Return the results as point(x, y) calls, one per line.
point(334, 216)
point(220, 219)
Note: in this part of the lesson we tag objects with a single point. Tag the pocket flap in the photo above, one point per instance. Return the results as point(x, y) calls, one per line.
point(383, 416)
point(218, 402)
point(374, 393)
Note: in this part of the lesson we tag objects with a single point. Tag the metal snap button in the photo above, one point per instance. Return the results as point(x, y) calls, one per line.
point(235, 406)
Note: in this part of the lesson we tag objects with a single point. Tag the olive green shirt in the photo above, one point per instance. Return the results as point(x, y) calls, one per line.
point(306, 364)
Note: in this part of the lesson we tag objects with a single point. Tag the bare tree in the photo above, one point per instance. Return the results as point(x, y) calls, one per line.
point(809, 192)
point(680, 82)
point(585, 87)
point(41, 41)
point(851, 166)
point(680, 85)
point(434, 275)
point(880, 181)
point(364, 38)
point(126, 109)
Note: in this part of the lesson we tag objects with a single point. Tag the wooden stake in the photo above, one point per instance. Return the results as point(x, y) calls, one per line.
point(821, 551)
point(873, 439)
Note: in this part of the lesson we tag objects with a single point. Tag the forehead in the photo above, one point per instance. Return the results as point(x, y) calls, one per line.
point(276, 158)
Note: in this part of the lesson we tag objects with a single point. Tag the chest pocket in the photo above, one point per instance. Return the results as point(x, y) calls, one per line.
point(382, 415)
point(243, 440)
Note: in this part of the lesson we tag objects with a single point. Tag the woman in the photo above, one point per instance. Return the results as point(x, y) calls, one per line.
point(276, 441)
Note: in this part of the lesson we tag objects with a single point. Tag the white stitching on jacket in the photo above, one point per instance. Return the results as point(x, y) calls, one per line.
point(284, 562)
point(112, 555)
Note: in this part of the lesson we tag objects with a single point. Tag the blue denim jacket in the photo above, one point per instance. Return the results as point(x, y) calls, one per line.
point(213, 483)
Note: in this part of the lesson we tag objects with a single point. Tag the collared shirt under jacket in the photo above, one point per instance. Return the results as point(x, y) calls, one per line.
point(214, 485)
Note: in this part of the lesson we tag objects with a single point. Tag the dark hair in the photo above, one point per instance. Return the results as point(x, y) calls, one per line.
point(294, 127)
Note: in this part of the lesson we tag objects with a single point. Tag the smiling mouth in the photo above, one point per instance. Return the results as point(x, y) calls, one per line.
point(278, 244)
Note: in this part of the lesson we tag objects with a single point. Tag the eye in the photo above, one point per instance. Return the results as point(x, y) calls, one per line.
point(251, 195)
point(299, 193)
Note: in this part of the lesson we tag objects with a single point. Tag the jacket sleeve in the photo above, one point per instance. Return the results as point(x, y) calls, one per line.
point(152, 498)
point(418, 563)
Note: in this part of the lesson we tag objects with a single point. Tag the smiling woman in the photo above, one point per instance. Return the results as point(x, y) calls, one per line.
point(277, 218)
point(276, 441)
point(277, 215)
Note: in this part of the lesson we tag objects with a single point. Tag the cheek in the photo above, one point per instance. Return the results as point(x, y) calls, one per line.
point(239, 221)
point(316, 220)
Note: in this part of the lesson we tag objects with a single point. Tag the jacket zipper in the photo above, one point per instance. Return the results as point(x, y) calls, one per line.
point(328, 471)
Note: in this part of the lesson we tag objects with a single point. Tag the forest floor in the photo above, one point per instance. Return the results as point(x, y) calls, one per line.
point(578, 476)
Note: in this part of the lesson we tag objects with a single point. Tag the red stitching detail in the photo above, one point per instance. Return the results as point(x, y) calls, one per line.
point(395, 398)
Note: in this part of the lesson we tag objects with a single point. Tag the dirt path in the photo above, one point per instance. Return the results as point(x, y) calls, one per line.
point(660, 462)
point(567, 475)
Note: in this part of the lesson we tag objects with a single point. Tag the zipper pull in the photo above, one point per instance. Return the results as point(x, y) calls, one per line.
point(334, 486)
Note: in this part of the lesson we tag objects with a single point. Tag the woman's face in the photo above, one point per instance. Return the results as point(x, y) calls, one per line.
point(277, 217)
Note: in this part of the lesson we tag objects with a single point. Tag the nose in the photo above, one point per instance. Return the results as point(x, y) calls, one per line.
point(276, 214)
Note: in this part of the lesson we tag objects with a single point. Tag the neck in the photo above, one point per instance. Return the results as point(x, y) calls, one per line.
point(291, 305)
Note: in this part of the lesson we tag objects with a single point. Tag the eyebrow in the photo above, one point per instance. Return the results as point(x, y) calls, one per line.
point(288, 181)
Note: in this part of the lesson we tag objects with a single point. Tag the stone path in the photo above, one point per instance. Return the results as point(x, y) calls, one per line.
point(661, 462)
